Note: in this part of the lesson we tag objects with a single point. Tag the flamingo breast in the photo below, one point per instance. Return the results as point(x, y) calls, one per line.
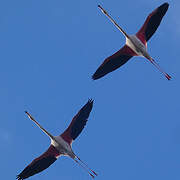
point(136, 45)
point(62, 146)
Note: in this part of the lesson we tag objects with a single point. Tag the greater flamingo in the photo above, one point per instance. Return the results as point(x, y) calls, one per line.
point(60, 145)
point(136, 45)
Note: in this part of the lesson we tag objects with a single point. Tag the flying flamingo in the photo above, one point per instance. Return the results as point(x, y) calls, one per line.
point(136, 45)
point(60, 145)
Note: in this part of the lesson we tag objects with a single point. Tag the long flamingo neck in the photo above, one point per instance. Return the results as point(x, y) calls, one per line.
point(44, 130)
point(113, 21)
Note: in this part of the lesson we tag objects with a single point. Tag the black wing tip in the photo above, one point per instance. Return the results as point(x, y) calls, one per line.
point(96, 76)
point(90, 101)
point(98, 73)
point(164, 6)
point(163, 9)
point(89, 104)
point(19, 177)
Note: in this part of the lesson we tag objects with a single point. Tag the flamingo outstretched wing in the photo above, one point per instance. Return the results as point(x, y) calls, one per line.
point(152, 23)
point(114, 62)
point(78, 123)
point(39, 164)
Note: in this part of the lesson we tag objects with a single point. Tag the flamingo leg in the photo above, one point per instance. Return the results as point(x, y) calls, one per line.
point(159, 68)
point(85, 168)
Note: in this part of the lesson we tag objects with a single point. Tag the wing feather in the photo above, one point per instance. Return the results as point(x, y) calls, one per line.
point(78, 123)
point(39, 164)
point(114, 62)
point(152, 22)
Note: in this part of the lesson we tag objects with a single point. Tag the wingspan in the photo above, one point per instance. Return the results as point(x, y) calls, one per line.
point(113, 62)
point(78, 123)
point(39, 164)
point(152, 22)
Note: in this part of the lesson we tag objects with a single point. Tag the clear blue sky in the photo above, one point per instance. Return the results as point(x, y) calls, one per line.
point(48, 52)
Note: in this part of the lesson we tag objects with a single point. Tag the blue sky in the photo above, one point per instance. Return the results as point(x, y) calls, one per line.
point(48, 52)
